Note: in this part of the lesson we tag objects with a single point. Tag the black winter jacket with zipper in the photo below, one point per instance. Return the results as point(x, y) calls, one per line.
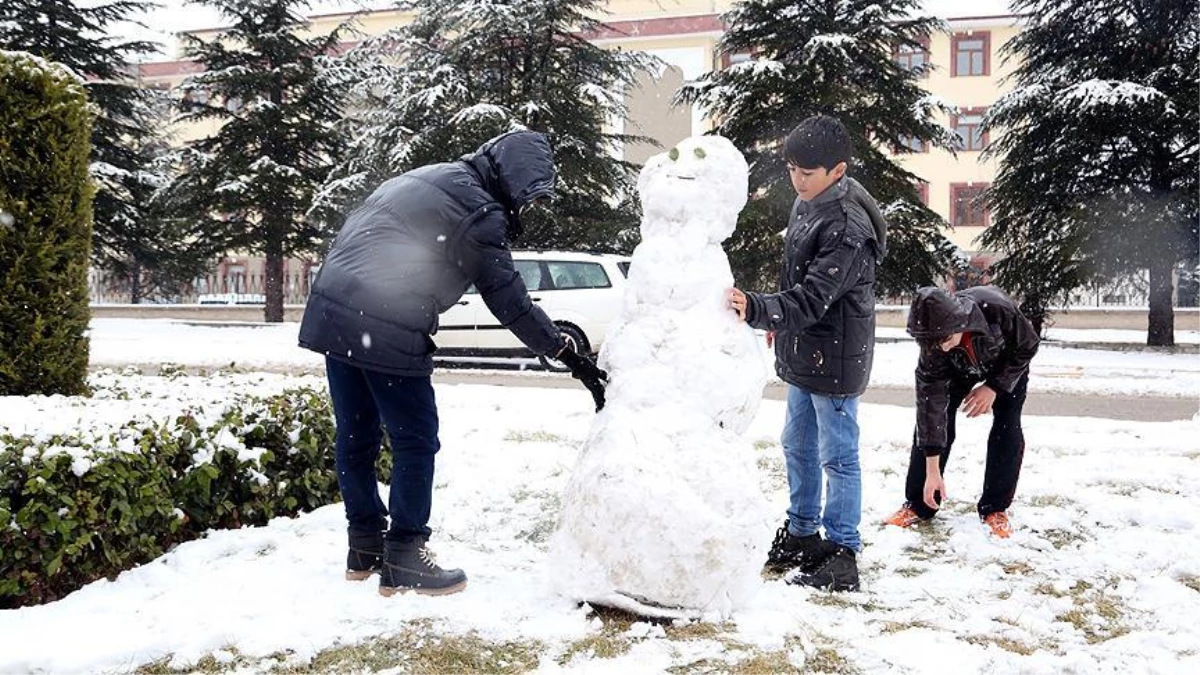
point(824, 313)
point(1003, 342)
point(413, 248)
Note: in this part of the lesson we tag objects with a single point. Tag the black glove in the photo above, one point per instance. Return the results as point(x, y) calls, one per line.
point(584, 369)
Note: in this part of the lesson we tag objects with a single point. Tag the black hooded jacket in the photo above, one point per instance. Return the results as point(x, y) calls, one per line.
point(1003, 342)
point(415, 246)
point(824, 313)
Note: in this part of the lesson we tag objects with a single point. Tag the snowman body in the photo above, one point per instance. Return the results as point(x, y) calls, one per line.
point(663, 514)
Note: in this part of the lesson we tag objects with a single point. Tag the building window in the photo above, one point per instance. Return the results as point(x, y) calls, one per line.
point(970, 54)
point(923, 192)
point(968, 124)
point(911, 144)
point(966, 205)
point(914, 57)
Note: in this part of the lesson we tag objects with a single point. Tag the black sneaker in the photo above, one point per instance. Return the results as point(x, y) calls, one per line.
point(789, 551)
point(838, 572)
point(410, 566)
point(365, 556)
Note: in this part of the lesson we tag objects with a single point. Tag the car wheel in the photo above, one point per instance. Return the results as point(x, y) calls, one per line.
point(576, 340)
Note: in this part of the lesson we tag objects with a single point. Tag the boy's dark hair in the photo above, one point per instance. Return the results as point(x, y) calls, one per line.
point(819, 141)
point(931, 345)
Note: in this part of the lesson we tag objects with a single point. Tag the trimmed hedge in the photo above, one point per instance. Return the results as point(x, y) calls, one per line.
point(45, 227)
point(88, 505)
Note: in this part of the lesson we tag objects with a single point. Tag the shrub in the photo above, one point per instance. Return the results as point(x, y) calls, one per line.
point(85, 505)
point(45, 227)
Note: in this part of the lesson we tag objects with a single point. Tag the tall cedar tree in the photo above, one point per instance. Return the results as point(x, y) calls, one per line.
point(461, 73)
point(1099, 145)
point(837, 58)
point(249, 186)
point(128, 238)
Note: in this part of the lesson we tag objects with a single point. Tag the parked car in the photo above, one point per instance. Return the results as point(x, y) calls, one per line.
point(580, 292)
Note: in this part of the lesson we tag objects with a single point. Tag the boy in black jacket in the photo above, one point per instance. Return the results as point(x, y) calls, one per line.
point(823, 323)
point(975, 352)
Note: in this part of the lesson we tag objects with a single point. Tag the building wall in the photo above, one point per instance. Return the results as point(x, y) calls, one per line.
point(684, 34)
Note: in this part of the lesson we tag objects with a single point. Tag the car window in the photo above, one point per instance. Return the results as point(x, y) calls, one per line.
point(624, 267)
point(568, 275)
point(531, 274)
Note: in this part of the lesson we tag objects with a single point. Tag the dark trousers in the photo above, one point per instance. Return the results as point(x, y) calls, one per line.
point(1005, 451)
point(405, 406)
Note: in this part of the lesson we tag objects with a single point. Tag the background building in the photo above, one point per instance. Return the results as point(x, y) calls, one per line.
point(968, 72)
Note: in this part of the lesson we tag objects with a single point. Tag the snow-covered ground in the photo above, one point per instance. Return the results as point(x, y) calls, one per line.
point(1101, 576)
point(118, 342)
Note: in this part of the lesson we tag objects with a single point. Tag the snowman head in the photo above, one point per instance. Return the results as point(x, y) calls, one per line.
point(701, 182)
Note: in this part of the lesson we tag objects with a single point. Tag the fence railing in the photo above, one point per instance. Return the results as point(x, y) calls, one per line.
point(224, 289)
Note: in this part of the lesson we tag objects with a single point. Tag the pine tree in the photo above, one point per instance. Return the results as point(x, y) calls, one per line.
point(810, 57)
point(461, 73)
point(249, 186)
point(74, 35)
point(1099, 145)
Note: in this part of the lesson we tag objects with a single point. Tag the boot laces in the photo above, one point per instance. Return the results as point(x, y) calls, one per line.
point(780, 538)
point(428, 557)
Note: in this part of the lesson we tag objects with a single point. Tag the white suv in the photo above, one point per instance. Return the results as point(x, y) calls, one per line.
point(580, 292)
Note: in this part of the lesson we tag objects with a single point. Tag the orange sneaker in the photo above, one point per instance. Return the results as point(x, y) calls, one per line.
point(998, 521)
point(905, 517)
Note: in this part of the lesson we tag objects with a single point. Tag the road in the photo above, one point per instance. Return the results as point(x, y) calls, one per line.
point(1115, 407)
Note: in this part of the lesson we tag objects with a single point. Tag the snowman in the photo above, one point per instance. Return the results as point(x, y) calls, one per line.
point(663, 515)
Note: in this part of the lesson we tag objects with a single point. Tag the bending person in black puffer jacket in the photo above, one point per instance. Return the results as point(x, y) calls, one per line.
point(402, 258)
point(976, 347)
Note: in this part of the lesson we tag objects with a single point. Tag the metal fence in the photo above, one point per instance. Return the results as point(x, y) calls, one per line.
point(221, 289)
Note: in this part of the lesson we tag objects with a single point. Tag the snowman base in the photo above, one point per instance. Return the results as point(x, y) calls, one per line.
point(642, 607)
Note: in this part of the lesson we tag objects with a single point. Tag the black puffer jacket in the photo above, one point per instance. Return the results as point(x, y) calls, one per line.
point(410, 252)
point(1002, 341)
point(824, 313)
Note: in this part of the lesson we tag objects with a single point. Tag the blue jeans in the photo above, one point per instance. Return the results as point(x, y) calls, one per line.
point(821, 432)
point(362, 399)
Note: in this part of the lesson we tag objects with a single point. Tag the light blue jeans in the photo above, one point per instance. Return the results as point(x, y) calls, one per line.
point(821, 433)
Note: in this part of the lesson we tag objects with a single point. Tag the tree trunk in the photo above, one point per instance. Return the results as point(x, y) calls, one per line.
point(1034, 309)
point(273, 282)
point(1161, 331)
point(135, 284)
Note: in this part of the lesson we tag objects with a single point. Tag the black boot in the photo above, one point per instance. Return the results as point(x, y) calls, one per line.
point(789, 551)
point(409, 566)
point(365, 556)
point(839, 572)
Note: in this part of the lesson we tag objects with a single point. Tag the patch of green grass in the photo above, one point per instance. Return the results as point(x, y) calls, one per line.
point(763, 444)
point(910, 572)
point(610, 642)
point(1096, 614)
point(1060, 538)
point(1007, 644)
point(900, 626)
point(835, 599)
point(764, 662)
point(535, 437)
point(1057, 501)
point(1019, 567)
point(417, 649)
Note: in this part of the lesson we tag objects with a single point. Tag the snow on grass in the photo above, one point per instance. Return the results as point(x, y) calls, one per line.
point(1100, 576)
point(118, 342)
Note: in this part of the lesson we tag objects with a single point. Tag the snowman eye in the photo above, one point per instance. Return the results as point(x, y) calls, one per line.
point(673, 154)
point(700, 154)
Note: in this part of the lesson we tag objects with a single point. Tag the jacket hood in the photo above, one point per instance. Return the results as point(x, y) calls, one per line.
point(516, 168)
point(856, 193)
point(935, 313)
